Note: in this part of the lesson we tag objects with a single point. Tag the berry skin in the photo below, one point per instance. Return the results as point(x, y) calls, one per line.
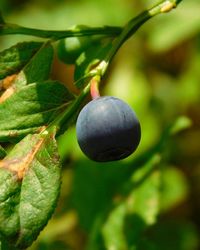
point(107, 129)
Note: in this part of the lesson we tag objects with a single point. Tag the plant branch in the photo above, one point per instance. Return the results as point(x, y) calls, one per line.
point(11, 29)
point(130, 28)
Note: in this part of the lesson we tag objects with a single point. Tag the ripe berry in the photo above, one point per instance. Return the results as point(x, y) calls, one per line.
point(107, 129)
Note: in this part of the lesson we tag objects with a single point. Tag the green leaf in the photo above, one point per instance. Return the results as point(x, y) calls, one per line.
point(16, 57)
point(32, 106)
point(145, 244)
point(38, 68)
point(174, 188)
point(91, 197)
point(1, 19)
point(145, 192)
point(88, 60)
point(29, 188)
point(4, 245)
point(128, 219)
point(181, 123)
point(113, 229)
point(2, 152)
point(70, 48)
point(174, 234)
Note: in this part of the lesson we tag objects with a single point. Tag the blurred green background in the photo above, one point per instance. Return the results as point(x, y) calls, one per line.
point(150, 201)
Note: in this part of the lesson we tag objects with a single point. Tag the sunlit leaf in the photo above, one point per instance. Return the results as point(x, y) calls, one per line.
point(16, 57)
point(34, 105)
point(113, 231)
point(180, 124)
point(29, 188)
point(172, 179)
point(38, 68)
point(144, 198)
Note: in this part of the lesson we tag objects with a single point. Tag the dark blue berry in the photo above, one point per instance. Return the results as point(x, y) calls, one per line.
point(107, 129)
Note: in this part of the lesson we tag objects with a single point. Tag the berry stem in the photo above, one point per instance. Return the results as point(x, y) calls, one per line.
point(94, 87)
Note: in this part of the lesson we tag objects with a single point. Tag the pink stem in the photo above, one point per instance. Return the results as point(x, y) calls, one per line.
point(94, 87)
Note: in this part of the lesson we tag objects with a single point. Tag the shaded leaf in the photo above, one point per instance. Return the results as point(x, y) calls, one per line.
point(57, 244)
point(2, 152)
point(91, 196)
point(94, 196)
point(128, 220)
point(70, 48)
point(5, 245)
point(16, 57)
point(174, 235)
point(145, 244)
point(38, 68)
point(1, 19)
point(88, 60)
point(29, 188)
point(32, 106)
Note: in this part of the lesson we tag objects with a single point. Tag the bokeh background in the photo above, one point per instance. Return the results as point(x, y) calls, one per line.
point(129, 204)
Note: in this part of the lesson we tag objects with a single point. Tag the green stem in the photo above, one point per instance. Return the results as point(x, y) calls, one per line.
point(132, 26)
point(11, 29)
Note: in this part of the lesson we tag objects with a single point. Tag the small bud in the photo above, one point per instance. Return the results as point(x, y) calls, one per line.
point(167, 6)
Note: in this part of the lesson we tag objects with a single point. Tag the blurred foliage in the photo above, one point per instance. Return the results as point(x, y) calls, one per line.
point(150, 200)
